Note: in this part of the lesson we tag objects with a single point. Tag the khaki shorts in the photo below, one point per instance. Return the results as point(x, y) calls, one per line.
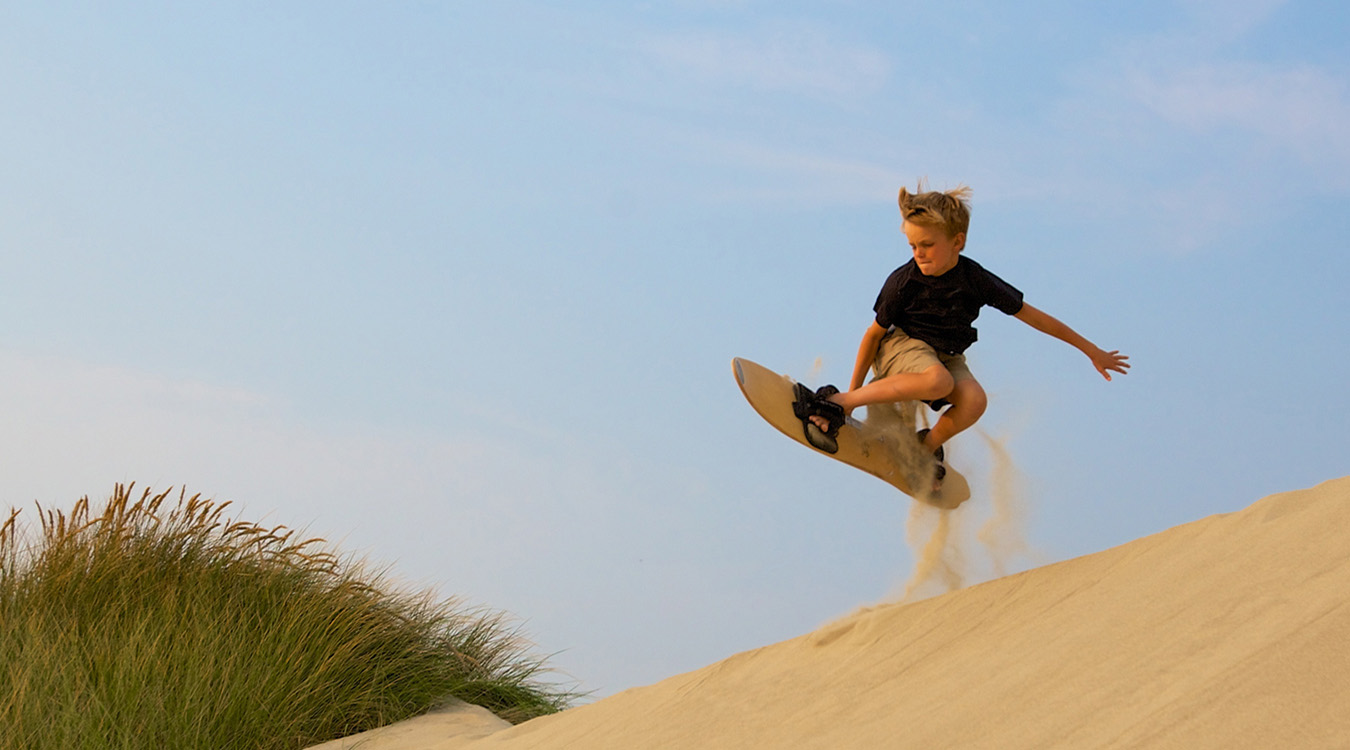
point(899, 353)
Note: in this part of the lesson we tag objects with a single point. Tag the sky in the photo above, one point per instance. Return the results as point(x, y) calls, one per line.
point(456, 286)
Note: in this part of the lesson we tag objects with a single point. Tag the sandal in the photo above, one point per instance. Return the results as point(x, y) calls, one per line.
point(817, 404)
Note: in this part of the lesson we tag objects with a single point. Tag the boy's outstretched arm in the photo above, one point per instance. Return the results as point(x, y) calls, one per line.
point(1105, 362)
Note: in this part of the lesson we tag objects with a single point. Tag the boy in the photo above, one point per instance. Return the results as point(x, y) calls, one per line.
point(923, 326)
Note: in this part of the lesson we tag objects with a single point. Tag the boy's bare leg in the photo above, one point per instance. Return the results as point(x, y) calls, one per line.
point(968, 404)
point(933, 383)
point(968, 400)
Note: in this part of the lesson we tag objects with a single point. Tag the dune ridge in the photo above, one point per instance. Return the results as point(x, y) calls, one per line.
point(1228, 632)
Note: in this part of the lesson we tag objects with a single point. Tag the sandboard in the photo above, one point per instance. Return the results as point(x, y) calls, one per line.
point(884, 449)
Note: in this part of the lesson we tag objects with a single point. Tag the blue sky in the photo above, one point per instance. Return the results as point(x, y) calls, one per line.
point(457, 285)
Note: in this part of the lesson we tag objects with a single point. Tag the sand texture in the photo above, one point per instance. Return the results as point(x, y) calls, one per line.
point(450, 726)
point(1229, 632)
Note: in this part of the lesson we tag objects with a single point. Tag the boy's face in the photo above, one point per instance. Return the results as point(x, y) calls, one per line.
point(934, 252)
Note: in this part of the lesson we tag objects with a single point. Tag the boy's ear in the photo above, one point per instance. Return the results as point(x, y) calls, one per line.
point(960, 240)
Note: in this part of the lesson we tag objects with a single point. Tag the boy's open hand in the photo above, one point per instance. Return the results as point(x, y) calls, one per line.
point(1108, 362)
point(1105, 362)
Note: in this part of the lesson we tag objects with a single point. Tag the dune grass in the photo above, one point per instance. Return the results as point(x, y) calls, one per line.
point(150, 624)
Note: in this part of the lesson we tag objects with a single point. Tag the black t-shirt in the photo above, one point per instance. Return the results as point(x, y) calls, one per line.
point(940, 310)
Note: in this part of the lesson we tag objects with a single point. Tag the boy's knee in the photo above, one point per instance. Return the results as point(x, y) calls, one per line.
point(938, 383)
point(970, 397)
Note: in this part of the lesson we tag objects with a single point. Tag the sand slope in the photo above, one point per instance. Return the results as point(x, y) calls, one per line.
point(449, 726)
point(1230, 632)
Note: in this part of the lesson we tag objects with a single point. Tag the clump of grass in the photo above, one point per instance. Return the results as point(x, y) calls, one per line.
point(149, 624)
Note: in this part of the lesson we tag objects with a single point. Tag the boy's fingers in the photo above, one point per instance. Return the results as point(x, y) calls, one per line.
point(1113, 361)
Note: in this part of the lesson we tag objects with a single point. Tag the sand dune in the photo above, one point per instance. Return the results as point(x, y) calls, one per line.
point(1229, 632)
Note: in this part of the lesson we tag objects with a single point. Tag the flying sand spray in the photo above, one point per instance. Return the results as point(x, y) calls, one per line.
point(938, 537)
point(942, 562)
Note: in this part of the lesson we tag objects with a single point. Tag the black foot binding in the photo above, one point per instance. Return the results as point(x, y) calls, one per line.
point(817, 404)
point(939, 468)
point(938, 404)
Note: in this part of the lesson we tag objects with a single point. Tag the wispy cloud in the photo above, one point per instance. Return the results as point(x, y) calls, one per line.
point(1222, 21)
point(1303, 109)
point(804, 177)
point(1200, 79)
point(783, 57)
point(77, 428)
point(1190, 127)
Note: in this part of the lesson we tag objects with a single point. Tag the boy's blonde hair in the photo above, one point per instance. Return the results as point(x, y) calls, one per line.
point(949, 210)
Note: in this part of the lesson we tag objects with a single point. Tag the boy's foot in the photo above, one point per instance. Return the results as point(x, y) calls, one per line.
point(821, 418)
point(822, 423)
point(939, 455)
